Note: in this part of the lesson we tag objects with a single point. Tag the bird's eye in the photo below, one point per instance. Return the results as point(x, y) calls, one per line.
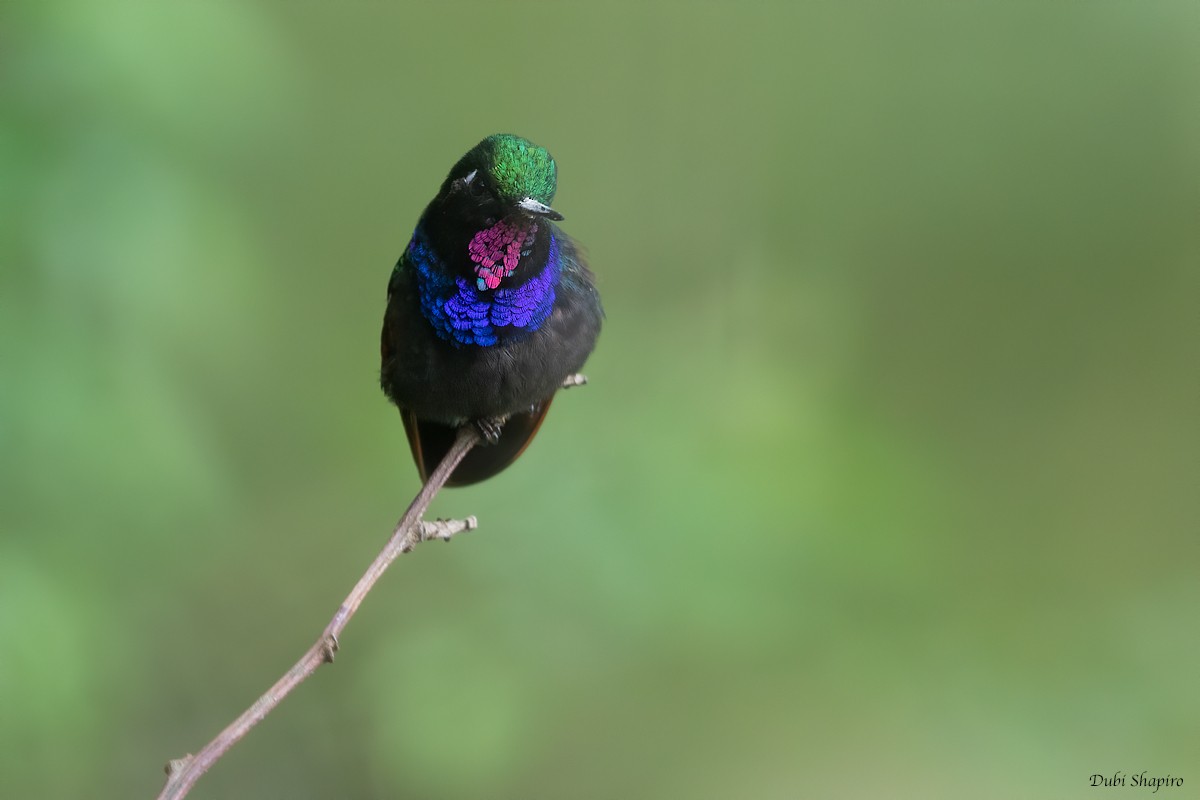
point(470, 176)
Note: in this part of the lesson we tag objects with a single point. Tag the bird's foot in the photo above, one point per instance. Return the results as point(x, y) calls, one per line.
point(489, 428)
point(578, 379)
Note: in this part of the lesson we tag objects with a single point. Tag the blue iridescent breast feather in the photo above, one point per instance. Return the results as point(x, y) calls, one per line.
point(463, 315)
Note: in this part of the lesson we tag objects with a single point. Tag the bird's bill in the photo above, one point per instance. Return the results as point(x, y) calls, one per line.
point(540, 209)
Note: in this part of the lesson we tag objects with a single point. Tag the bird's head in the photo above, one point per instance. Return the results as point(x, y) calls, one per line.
point(503, 175)
point(491, 218)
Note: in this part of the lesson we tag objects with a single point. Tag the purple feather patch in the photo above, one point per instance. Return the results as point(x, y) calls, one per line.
point(466, 312)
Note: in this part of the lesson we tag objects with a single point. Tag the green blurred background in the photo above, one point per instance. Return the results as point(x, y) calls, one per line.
point(884, 486)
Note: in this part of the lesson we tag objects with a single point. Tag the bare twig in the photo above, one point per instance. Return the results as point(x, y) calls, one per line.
point(182, 773)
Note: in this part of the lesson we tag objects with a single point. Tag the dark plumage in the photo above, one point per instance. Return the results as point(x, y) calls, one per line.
point(489, 309)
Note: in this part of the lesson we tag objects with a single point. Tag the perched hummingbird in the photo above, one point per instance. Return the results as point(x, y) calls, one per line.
point(490, 308)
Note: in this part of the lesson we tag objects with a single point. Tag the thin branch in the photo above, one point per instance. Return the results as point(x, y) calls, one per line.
point(182, 773)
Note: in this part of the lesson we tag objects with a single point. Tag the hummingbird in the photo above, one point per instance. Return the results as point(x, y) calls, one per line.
point(489, 310)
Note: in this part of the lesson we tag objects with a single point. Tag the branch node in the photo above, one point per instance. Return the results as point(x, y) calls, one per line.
point(177, 765)
point(329, 648)
point(444, 528)
point(571, 381)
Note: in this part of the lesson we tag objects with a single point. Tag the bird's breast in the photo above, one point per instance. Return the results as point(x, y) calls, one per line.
point(464, 313)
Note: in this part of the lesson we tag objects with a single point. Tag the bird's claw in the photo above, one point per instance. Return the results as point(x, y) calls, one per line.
point(489, 428)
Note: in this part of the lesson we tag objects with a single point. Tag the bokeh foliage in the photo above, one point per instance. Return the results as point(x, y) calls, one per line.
point(884, 484)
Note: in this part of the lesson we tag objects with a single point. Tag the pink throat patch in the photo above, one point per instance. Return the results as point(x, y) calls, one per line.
point(496, 250)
